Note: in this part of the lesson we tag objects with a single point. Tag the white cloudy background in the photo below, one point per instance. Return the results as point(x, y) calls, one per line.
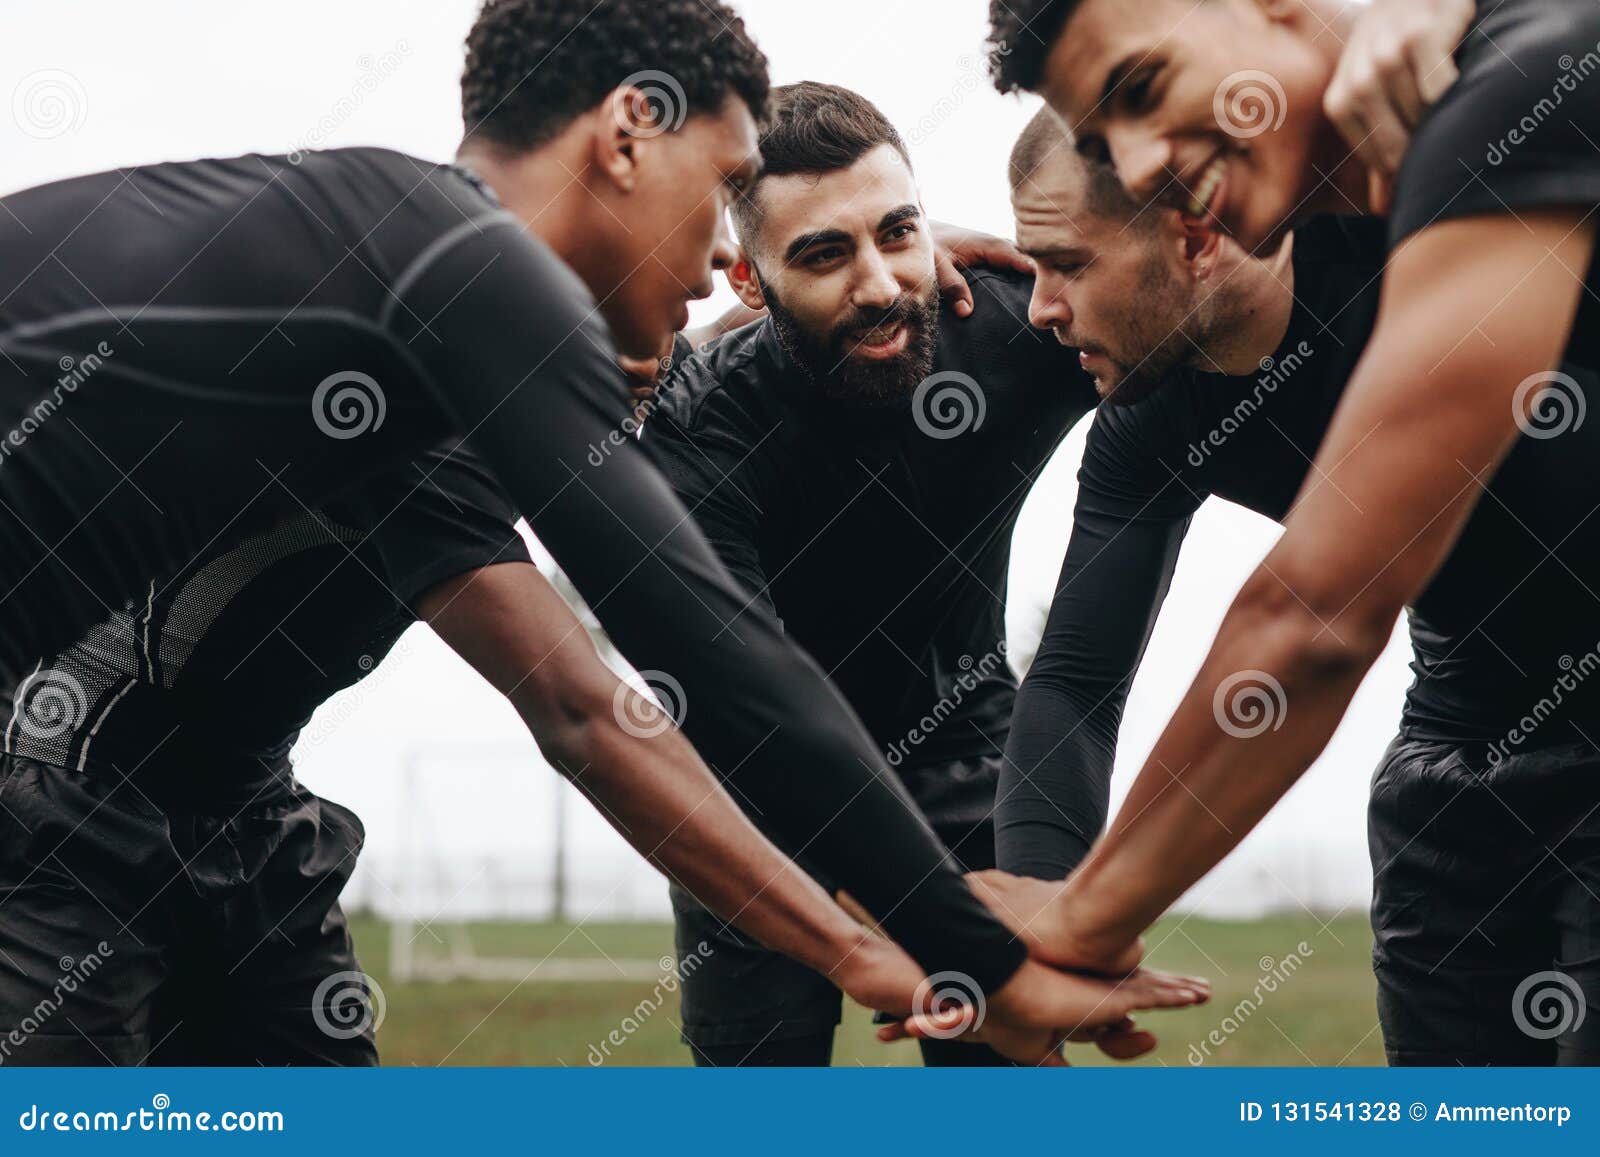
point(461, 813)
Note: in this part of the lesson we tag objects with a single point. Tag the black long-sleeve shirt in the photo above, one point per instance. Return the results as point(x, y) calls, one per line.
point(1508, 615)
point(190, 352)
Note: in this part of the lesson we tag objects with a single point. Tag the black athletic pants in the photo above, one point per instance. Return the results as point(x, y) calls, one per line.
point(137, 933)
point(1486, 905)
point(744, 1005)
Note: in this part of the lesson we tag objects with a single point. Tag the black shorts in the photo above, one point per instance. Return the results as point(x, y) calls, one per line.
point(1486, 905)
point(132, 933)
point(736, 994)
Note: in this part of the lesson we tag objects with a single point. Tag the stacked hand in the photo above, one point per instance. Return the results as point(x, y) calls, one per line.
point(1041, 1007)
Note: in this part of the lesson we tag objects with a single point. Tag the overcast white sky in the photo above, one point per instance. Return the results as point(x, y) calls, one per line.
point(184, 78)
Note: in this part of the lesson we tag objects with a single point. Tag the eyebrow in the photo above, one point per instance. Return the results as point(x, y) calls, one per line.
point(896, 216)
point(1118, 76)
point(1077, 252)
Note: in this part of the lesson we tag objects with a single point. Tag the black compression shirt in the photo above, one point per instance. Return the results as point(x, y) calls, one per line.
point(882, 538)
point(1500, 625)
point(193, 351)
point(200, 689)
point(1517, 131)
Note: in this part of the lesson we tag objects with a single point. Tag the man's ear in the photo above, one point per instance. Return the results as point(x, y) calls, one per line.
point(746, 283)
point(622, 128)
point(1187, 243)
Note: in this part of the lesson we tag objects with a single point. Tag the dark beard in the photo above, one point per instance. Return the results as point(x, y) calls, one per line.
point(1167, 352)
point(828, 362)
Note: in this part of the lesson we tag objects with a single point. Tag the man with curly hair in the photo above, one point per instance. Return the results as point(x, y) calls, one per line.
point(269, 331)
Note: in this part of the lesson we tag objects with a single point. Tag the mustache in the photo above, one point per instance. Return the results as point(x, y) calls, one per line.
point(906, 308)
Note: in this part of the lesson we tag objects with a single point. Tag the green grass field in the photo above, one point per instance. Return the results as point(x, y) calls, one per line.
point(1274, 1001)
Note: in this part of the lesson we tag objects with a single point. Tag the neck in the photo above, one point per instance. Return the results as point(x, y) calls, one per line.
point(541, 190)
point(1252, 302)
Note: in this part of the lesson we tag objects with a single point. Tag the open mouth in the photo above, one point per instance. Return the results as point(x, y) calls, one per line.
point(1205, 200)
point(882, 342)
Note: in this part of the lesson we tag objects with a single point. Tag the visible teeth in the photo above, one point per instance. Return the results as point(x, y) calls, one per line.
point(1200, 199)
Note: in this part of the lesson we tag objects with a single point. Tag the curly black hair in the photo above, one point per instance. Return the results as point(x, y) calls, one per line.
point(534, 65)
point(1021, 34)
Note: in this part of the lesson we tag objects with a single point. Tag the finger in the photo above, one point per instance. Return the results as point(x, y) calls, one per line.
point(1397, 82)
point(1380, 190)
point(1124, 1046)
point(893, 1032)
point(952, 286)
point(1433, 64)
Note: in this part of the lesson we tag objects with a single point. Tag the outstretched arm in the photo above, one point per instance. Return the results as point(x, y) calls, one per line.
point(615, 747)
point(1055, 784)
point(1425, 422)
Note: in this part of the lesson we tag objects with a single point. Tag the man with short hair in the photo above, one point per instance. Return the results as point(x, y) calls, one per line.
point(271, 331)
point(858, 461)
point(1461, 919)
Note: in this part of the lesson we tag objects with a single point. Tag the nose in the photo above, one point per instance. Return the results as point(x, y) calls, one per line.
point(876, 286)
point(723, 251)
point(1143, 160)
point(1048, 308)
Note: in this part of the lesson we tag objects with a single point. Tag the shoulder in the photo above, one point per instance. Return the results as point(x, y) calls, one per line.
point(717, 388)
point(1517, 130)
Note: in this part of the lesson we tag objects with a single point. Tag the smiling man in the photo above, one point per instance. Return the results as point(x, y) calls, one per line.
point(1490, 283)
point(1459, 920)
point(858, 461)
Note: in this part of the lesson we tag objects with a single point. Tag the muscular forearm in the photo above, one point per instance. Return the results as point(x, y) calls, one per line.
point(1263, 706)
point(515, 629)
point(655, 791)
